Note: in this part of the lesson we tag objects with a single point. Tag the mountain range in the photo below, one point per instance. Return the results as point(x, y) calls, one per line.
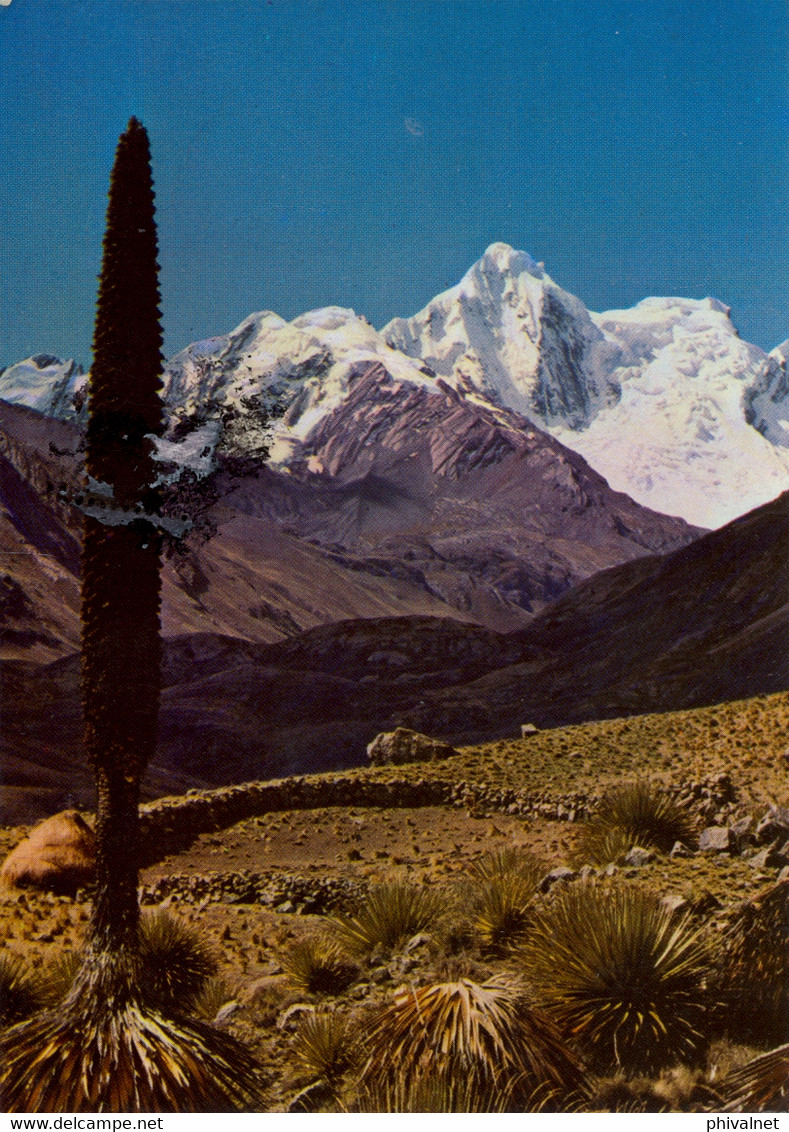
point(488, 512)
point(664, 400)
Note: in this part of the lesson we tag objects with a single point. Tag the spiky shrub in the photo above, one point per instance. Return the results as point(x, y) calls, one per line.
point(760, 1086)
point(484, 1034)
point(621, 973)
point(58, 976)
point(753, 975)
point(509, 861)
point(444, 1092)
point(388, 915)
point(176, 963)
point(499, 894)
point(319, 966)
point(641, 814)
point(21, 992)
point(324, 1045)
point(103, 1049)
point(604, 844)
point(212, 996)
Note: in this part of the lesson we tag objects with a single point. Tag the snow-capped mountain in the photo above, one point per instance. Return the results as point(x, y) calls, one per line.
point(510, 332)
point(46, 383)
point(665, 399)
point(694, 430)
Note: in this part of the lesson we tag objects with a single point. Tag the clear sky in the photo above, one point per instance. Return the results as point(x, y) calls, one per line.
point(365, 153)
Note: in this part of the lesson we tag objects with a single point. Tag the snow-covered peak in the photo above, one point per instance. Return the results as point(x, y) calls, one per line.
point(305, 367)
point(509, 330)
point(46, 383)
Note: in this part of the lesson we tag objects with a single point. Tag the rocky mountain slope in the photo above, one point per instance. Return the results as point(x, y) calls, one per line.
point(704, 624)
point(406, 498)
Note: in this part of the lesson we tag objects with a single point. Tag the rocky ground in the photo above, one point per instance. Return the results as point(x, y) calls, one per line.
point(258, 886)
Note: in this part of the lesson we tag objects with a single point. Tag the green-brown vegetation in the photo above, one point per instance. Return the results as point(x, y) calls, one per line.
point(621, 973)
point(274, 953)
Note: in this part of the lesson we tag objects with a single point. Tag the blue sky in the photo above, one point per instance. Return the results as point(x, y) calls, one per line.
point(365, 153)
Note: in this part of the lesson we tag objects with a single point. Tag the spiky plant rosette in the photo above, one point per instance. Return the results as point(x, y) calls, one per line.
point(762, 1085)
point(318, 965)
point(387, 916)
point(621, 974)
point(498, 895)
point(443, 1092)
point(126, 1059)
point(486, 1032)
point(22, 993)
point(175, 963)
point(603, 845)
point(325, 1045)
point(642, 813)
point(754, 969)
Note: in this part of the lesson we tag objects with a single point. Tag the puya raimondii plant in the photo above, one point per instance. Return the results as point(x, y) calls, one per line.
point(105, 1049)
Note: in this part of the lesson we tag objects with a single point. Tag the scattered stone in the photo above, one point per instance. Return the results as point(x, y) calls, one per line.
point(716, 839)
point(265, 988)
point(768, 858)
point(743, 830)
point(783, 874)
point(289, 1018)
point(380, 975)
point(226, 1012)
point(401, 966)
point(775, 823)
point(680, 850)
point(587, 871)
point(562, 873)
point(422, 939)
point(529, 729)
point(637, 857)
point(611, 870)
point(313, 1097)
point(705, 904)
point(393, 748)
point(675, 903)
point(58, 856)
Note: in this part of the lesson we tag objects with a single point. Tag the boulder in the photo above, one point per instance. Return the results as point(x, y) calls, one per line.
point(717, 839)
point(775, 823)
point(743, 830)
point(769, 858)
point(58, 856)
point(392, 748)
point(560, 874)
point(529, 729)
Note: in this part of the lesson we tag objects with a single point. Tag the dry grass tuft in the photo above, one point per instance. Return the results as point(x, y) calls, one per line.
point(499, 894)
point(486, 1035)
point(22, 993)
point(83, 1058)
point(635, 813)
point(760, 1086)
point(318, 966)
point(754, 971)
point(389, 915)
point(325, 1046)
point(622, 974)
point(175, 962)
